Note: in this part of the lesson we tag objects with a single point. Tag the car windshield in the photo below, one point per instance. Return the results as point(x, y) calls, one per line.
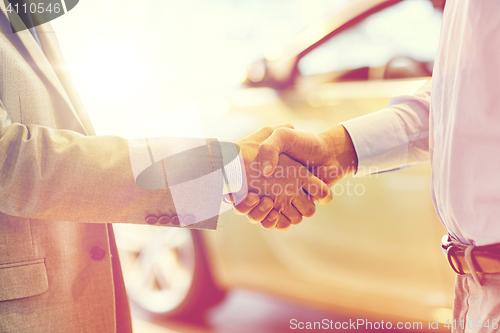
point(408, 29)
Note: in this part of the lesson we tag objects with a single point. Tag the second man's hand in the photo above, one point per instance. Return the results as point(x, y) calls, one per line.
point(329, 155)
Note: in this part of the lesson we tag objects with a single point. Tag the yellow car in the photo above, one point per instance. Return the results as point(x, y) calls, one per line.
point(374, 250)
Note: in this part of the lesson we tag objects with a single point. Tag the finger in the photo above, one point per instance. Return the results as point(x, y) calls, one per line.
point(283, 223)
point(229, 198)
point(249, 203)
point(259, 213)
point(269, 150)
point(317, 189)
point(304, 204)
point(271, 220)
point(293, 216)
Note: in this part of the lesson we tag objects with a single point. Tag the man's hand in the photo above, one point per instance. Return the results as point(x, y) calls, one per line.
point(284, 198)
point(329, 155)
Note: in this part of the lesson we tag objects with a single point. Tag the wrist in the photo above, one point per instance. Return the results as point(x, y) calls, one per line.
point(341, 148)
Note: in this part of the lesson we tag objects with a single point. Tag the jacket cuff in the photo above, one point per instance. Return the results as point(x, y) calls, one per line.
point(225, 155)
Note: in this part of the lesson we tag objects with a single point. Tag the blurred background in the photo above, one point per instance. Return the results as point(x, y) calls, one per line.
point(373, 253)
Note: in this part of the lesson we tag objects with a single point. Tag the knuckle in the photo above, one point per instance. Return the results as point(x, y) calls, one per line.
point(279, 206)
point(282, 131)
point(268, 129)
point(264, 147)
point(266, 203)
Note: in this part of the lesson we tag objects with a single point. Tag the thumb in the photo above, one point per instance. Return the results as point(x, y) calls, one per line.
point(270, 150)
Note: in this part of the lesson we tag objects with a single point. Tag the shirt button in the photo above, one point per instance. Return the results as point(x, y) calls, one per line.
point(175, 220)
point(164, 219)
point(97, 253)
point(188, 219)
point(151, 220)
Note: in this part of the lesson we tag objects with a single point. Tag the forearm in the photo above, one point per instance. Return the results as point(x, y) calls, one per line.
point(61, 175)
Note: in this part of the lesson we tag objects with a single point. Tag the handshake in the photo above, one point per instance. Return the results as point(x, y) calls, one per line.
point(287, 171)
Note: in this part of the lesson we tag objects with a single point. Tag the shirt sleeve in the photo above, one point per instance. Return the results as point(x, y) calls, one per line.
point(395, 137)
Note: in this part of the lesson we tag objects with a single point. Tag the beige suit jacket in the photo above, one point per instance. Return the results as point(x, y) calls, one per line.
point(59, 187)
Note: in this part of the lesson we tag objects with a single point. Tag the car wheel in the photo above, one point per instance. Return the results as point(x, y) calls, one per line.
point(166, 271)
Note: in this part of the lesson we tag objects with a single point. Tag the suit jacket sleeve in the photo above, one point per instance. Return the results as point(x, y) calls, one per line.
point(63, 175)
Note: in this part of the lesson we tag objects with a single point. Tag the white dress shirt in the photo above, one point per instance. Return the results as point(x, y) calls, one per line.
point(461, 106)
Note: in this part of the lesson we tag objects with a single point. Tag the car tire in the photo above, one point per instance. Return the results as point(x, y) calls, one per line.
point(204, 292)
point(166, 272)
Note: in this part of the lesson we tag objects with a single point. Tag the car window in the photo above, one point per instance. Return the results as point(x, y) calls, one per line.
point(408, 30)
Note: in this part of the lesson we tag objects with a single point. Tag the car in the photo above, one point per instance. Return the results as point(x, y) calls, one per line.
point(374, 250)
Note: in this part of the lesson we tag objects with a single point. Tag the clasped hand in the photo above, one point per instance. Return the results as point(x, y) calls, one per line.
point(287, 171)
point(281, 199)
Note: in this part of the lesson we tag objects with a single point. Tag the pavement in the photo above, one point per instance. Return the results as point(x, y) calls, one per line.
point(245, 311)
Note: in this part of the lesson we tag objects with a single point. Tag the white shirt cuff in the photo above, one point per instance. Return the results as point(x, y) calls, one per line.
point(232, 167)
point(380, 141)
